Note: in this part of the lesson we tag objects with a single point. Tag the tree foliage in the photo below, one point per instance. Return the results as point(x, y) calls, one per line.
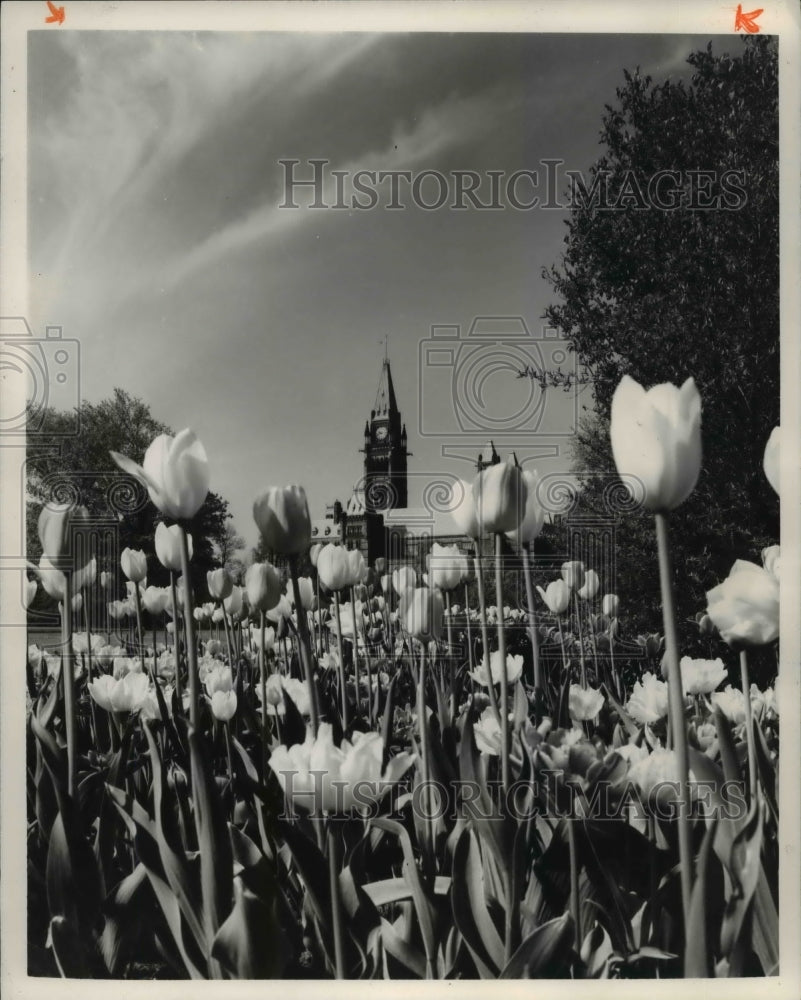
point(666, 294)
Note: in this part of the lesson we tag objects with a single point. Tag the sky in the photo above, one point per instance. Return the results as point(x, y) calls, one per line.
point(158, 240)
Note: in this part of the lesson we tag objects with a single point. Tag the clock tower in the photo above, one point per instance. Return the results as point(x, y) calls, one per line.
point(385, 451)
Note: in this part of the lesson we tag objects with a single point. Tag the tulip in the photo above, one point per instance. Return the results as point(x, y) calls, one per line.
point(584, 703)
point(656, 439)
point(487, 733)
point(731, 701)
point(705, 624)
point(649, 699)
point(660, 769)
point(500, 496)
point(175, 472)
point(234, 602)
point(134, 564)
point(610, 605)
point(223, 705)
point(701, 676)
point(590, 587)
point(573, 574)
point(269, 638)
point(219, 583)
point(168, 546)
point(59, 527)
point(514, 669)
point(404, 579)
point(771, 461)
point(263, 586)
point(745, 607)
point(219, 678)
point(445, 566)
point(314, 553)
point(422, 614)
point(462, 509)
point(318, 775)
point(380, 566)
point(155, 600)
point(307, 595)
point(556, 596)
point(358, 569)
point(283, 609)
point(534, 514)
point(100, 689)
point(333, 567)
point(282, 516)
point(105, 580)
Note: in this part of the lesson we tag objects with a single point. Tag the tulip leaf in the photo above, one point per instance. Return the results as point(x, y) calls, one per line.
point(403, 952)
point(68, 948)
point(216, 860)
point(728, 752)
point(73, 882)
point(388, 721)
point(250, 942)
point(744, 868)
point(470, 913)
point(767, 775)
point(699, 953)
point(313, 869)
point(422, 904)
point(545, 953)
point(123, 909)
point(393, 890)
point(170, 885)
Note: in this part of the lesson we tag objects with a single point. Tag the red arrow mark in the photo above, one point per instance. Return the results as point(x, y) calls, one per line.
point(56, 14)
point(747, 22)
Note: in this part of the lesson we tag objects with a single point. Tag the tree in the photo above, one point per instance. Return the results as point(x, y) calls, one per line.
point(227, 547)
point(78, 468)
point(663, 294)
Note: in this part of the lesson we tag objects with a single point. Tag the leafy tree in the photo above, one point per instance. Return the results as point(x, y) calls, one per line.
point(664, 294)
point(78, 468)
point(226, 548)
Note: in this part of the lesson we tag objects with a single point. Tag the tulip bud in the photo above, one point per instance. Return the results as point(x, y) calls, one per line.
point(314, 553)
point(445, 566)
point(333, 567)
point(705, 624)
point(656, 439)
point(462, 509)
point(358, 569)
point(62, 528)
point(385, 583)
point(589, 588)
point(500, 495)
point(423, 614)
point(282, 516)
point(175, 472)
point(134, 564)
point(380, 565)
point(263, 586)
point(308, 598)
point(154, 600)
point(403, 579)
point(168, 546)
point(610, 605)
point(533, 514)
point(219, 583)
point(771, 460)
point(233, 602)
point(105, 580)
point(573, 574)
point(557, 596)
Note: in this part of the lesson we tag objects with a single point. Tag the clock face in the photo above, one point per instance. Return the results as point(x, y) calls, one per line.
point(381, 433)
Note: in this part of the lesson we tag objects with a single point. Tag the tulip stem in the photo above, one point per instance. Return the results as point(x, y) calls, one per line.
point(749, 729)
point(532, 625)
point(575, 907)
point(451, 672)
point(336, 907)
point(482, 608)
point(470, 664)
point(341, 663)
point(303, 642)
point(504, 672)
point(355, 649)
point(580, 641)
point(425, 753)
point(175, 644)
point(68, 679)
point(189, 632)
point(676, 710)
point(263, 683)
point(139, 630)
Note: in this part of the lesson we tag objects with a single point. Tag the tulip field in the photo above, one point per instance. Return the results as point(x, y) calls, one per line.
point(370, 772)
